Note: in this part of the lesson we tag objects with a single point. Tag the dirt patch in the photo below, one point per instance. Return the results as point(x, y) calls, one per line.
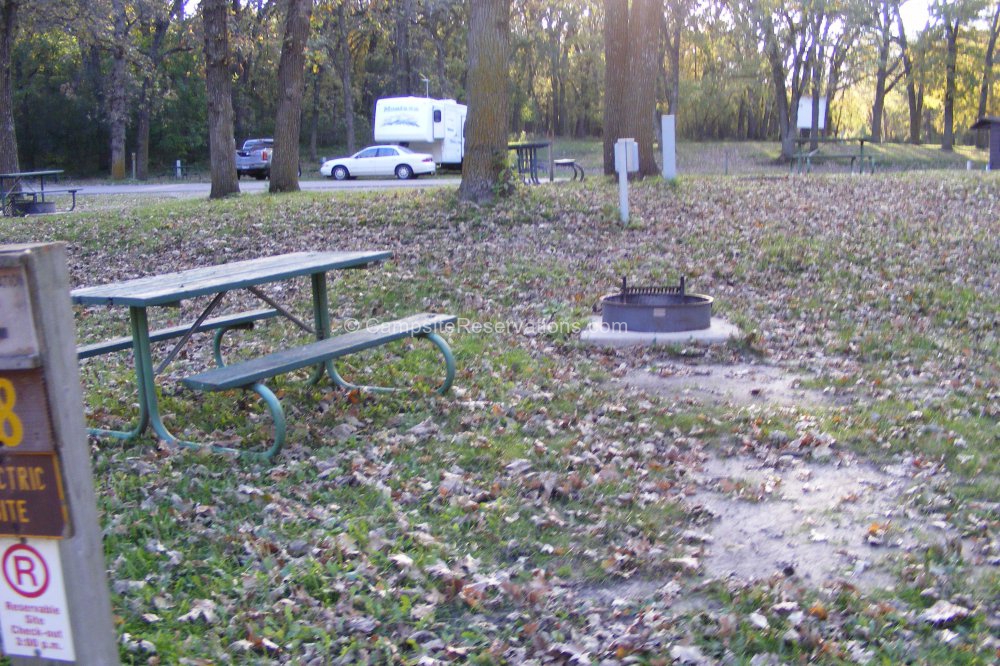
point(741, 383)
point(821, 514)
point(820, 521)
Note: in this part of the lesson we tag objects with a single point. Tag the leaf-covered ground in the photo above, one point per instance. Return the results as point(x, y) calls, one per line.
point(549, 510)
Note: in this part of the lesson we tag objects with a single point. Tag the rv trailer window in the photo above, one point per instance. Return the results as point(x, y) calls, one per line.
point(437, 115)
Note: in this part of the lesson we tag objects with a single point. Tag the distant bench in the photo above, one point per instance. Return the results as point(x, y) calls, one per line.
point(570, 163)
point(24, 192)
point(803, 161)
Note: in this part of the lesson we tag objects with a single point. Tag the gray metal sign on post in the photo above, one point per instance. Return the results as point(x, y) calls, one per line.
point(54, 603)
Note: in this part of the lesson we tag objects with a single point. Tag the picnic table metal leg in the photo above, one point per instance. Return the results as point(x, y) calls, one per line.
point(277, 415)
point(145, 375)
point(149, 410)
point(321, 321)
point(137, 322)
point(449, 375)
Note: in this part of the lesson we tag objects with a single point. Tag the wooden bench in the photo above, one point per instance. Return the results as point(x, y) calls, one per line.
point(249, 374)
point(571, 164)
point(219, 324)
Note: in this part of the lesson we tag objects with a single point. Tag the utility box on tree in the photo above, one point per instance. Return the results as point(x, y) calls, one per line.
point(991, 123)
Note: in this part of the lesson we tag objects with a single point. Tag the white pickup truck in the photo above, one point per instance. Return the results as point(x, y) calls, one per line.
point(254, 158)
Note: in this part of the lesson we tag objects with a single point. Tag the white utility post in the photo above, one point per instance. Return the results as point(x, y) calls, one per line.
point(626, 162)
point(668, 125)
point(54, 602)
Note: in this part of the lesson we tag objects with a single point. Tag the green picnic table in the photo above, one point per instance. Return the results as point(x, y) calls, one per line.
point(169, 289)
point(803, 160)
point(24, 192)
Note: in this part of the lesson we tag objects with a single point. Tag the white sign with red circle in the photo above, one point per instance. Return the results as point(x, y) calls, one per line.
point(34, 615)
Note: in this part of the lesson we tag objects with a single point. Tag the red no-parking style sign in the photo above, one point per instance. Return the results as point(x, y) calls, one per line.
point(34, 615)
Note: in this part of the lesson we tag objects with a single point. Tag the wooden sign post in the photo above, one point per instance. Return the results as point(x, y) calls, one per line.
point(54, 603)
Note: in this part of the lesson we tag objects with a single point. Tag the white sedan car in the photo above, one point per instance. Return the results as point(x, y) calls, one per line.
point(380, 161)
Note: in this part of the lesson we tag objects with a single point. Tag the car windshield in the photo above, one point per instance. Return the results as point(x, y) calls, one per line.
point(250, 145)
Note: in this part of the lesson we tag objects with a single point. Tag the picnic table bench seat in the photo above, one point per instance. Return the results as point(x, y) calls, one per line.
point(250, 374)
point(28, 201)
point(570, 163)
point(805, 160)
point(219, 324)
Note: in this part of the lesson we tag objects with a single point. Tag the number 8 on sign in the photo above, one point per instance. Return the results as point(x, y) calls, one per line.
point(11, 430)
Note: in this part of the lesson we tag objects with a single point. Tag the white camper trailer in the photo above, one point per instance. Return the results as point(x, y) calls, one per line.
point(435, 126)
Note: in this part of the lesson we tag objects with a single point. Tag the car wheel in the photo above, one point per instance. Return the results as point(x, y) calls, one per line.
point(404, 172)
point(339, 173)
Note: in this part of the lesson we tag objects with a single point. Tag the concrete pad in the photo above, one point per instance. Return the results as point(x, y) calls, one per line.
point(598, 335)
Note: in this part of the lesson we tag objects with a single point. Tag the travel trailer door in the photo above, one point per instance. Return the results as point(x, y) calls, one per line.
point(454, 135)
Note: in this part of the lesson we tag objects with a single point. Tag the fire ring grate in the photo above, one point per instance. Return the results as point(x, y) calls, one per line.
point(666, 309)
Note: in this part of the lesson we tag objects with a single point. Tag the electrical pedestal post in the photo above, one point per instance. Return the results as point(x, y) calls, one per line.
point(54, 601)
point(668, 133)
point(626, 162)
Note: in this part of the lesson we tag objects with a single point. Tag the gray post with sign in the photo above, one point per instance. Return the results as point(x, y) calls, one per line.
point(54, 602)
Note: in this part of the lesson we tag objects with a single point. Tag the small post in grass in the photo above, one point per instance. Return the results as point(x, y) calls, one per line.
point(626, 162)
point(668, 130)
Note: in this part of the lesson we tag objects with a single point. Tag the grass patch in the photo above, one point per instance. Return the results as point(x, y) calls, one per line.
point(518, 515)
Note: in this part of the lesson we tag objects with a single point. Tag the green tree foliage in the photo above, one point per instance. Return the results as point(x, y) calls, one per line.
point(714, 71)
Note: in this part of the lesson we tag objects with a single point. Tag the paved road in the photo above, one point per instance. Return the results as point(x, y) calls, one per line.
point(190, 189)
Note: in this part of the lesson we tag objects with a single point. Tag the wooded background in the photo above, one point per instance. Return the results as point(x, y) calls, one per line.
point(85, 73)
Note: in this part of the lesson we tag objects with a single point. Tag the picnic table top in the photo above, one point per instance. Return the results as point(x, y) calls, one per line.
point(834, 139)
point(32, 174)
point(176, 286)
point(527, 144)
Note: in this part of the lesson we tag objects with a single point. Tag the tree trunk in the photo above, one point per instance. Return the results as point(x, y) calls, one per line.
point(142, 130)
point(158, 25)
point(288, 122)
point(404, 69)
point(439, 60)
point(117, 100)
point(346, 84)
point(816, 78)
point(913, 102)
point(8, 137)
point(984, 89)
point(643, 56)
point(786, 127)
point(951, 31)
point(488, 118)
point(221, 144)
point(832, 82)
point(674, 55)
point(616, 76)
point(314, 115)
point(881, 74)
